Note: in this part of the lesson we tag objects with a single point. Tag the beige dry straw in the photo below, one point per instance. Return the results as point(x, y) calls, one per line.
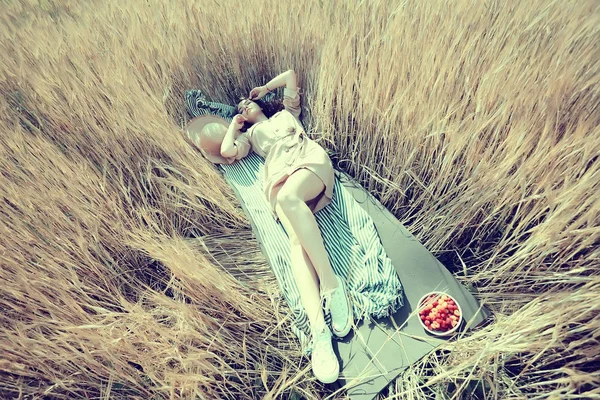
point(128, 269)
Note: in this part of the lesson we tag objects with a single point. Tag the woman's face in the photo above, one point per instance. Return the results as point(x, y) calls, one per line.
point(249, 109)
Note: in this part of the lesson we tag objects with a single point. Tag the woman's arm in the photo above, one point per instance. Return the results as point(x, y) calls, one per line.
point(228, 148)
point(287, 79)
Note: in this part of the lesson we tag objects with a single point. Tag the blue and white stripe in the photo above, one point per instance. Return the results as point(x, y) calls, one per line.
point(350, 238)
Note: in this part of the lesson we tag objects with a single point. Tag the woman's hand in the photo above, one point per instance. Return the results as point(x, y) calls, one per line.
point(258, 92)
point(238, 121)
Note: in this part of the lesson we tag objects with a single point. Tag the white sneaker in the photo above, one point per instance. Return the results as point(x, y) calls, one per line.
point(325, 365)
point(336, 303)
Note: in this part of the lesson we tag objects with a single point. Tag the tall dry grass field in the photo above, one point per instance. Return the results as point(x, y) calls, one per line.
point(129, 271)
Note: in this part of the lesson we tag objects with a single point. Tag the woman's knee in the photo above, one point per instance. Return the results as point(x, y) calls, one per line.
point(288, 201)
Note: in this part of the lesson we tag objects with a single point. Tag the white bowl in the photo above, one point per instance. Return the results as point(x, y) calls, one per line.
point(433, 332)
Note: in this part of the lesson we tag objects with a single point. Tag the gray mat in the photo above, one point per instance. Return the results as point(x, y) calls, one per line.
point(379, 351)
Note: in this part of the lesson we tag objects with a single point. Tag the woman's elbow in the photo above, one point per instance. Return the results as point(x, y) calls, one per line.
point(227, 153)
point(291, 81)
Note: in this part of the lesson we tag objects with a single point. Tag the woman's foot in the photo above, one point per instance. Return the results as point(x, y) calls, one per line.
point(336, 302)
point(325, 365)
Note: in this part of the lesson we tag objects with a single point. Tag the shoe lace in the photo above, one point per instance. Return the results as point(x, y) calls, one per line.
point(326, 302)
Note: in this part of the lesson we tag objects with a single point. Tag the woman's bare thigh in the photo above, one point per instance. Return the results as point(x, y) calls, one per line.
point(304, 184)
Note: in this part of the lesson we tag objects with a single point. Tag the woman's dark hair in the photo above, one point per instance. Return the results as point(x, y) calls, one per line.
point(269, 108)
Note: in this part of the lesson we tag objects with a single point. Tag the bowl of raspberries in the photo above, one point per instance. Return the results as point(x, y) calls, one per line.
point(439, 313)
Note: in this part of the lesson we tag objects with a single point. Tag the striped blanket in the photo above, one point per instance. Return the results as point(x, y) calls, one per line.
point(349, 234)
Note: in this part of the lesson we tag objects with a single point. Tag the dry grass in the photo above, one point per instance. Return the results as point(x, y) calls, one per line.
point(476, 123)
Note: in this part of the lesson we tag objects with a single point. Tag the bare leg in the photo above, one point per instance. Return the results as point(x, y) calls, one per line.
point(305, 276)
point(302, 186)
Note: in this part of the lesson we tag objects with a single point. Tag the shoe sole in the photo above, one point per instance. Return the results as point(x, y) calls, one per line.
point(327, 382)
